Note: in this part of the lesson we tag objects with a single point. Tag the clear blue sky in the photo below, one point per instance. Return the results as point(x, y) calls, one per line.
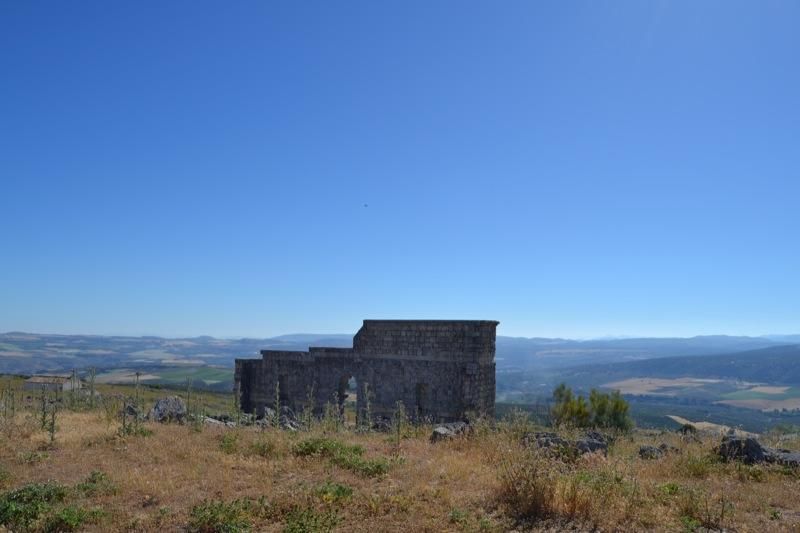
point(569, 168)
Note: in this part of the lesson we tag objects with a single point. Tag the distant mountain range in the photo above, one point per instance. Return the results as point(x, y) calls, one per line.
point(525, 353)
point(773, 365)
point(26, 353)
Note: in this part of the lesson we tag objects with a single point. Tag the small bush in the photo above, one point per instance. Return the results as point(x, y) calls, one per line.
point(263, 448)
point(325, 447)
point(97, 483)
point(342, 455)
point(21, 507)
point(528, 487)
point(457, 516)
point(134, 431)
point(310, 521)
point(670, 489)
point(363, 467)
point(71, 518)
point(332, 492)
point(603, 410)
point(32, 457)
point(229, 443)
point(221, 517)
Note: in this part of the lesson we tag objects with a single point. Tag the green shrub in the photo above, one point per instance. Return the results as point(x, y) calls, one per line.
point(97, 483)
point(229, 443)
point(21, 507)
point(71, 518)
point(363, 467)
point(332, 492)
point(263, 448)
point(342, 455)
point(325, 447)
point(310, 521)
point(134, 430)
point(32, 457)
point(603, 410)
point(221, 517)
point(457, 516)
point(670, 489)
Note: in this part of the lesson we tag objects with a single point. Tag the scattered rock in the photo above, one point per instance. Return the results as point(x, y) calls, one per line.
point(382, 424)
point(545, 439)
point(666, 448)
point(785, 457)
point(745, 449)
point(592, 442)
point(749, 451)
point(450, 431)
point(650, 452)
point(170, 409)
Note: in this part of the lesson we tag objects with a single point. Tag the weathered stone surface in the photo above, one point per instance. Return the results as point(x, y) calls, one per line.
point(749, 451)
point(785, 457)
point(745, 449)
point(440, 370)
point(382, 424)
point(450, 431)
point(170, 409)
point(545, 439)
point(592, 442)
point(650, 452)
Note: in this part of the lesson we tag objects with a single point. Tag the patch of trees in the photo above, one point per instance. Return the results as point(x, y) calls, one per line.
point(602, 410)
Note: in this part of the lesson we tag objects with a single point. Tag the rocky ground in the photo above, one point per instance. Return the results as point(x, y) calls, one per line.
point(211, 474)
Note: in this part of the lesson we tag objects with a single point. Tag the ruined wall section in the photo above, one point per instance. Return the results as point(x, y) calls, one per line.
point(446, 340)
point(439, 369)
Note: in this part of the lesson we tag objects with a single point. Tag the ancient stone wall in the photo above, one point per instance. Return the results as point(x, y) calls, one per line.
point(439, 369)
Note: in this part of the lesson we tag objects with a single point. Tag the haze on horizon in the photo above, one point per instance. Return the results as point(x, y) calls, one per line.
point(573, 170)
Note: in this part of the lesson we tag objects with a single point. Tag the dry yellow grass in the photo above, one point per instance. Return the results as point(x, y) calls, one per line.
point(452, 486)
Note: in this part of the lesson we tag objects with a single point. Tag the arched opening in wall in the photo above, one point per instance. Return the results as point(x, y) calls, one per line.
point(347, 396)
point(423, 401)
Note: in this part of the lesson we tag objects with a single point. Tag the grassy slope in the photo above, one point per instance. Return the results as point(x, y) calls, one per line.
point(457, 486)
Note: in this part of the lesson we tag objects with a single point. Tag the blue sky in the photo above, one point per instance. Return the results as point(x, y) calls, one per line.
point(571, 169)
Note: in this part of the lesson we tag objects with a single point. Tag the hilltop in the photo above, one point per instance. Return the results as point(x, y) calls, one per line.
point(196, 477)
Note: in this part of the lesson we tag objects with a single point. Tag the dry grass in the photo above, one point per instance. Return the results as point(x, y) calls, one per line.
point(487, 482)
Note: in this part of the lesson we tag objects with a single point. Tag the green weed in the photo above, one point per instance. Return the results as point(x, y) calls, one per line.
point(97, 483)
point(310, 521)
point(229, 443)
point(21, 507)
point(221, 517)
point(71, 518)
point(332, 492)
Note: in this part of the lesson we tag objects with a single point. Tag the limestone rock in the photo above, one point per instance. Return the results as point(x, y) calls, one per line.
point(449, 431)
point(591, 442)
point(545, 439)
point(650, 452)
point(745, 449)
point(170, 409)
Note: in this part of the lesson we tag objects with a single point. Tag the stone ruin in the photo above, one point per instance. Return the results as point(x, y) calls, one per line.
point(441, 370)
